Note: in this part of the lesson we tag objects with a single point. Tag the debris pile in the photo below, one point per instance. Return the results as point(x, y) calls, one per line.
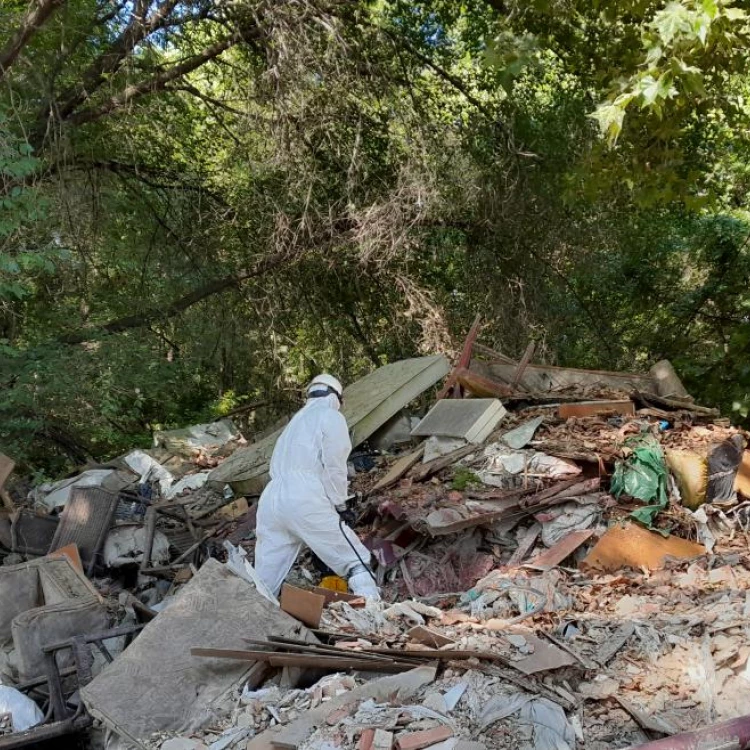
point(563, 556)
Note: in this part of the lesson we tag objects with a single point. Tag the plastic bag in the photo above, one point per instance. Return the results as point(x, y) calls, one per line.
point(643, 475)
point(24, 712)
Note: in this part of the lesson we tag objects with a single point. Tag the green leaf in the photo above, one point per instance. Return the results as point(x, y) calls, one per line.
point(671, 21)
point(735, 14)
point(710, 7)
point(610, 118)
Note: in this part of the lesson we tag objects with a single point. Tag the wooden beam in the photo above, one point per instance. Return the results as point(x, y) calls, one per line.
point(276, 659)
point(451, 387)
point(523, 364)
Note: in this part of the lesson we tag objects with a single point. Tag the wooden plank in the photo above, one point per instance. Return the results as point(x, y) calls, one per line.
point(452, 520)
point(306, 606)
point(398, 470)
point(531, 535)
point(481, 386)
point(552, 557)
point(292, 644)
point(546, 378)
point(450, 387)
point(150, 532)
point(561, 491)
point(318, 661)
point(621, 407)
point(425, 471)
point(652, 399)
point(523, 364)
point(494, 355)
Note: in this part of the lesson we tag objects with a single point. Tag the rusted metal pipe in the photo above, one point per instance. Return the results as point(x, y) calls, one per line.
point(730, 735)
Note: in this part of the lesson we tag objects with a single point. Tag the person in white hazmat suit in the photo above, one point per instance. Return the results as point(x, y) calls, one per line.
point(307, 492)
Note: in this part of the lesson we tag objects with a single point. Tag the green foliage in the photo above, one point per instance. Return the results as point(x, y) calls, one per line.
point(464, 479)
point(350, 184)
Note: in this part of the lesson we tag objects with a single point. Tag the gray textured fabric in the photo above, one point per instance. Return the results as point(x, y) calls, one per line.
point(157, 685)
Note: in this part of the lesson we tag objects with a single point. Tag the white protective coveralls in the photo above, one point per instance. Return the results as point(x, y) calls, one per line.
point(308, 483)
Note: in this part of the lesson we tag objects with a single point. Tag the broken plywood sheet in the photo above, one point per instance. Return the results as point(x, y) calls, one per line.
point(472, 420)
point(552, 557)
point(544, 378)
point(368, 404)
point(632, 546)
point(156, 685)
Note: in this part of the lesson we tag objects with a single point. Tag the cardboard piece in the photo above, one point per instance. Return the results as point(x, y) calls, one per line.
point(632, 546)
point(306, 606)
point(472, 419)
point(742, 479)
point(157, 685)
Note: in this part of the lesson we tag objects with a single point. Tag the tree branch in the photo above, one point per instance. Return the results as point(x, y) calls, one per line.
point(157, 83)
point(109, 61)
point(37, 14)
point(148, 317)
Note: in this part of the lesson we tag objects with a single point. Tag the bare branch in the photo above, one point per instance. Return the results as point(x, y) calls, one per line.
point(36, 16)
point(148, 317)
point(109, 61)
point(157, 83)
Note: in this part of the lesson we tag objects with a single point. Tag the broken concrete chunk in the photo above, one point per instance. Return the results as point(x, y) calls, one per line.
point(393, 688)
point(382, 740)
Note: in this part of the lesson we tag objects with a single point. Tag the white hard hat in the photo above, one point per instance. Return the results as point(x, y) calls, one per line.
point(326, 381)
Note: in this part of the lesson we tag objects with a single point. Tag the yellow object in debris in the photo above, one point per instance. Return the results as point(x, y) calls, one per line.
point(334, 583)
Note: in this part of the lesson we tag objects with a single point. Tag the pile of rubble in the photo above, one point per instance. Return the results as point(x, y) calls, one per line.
point(563, 556)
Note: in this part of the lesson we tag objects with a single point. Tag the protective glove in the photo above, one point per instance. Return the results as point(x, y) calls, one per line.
point(347, 515)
